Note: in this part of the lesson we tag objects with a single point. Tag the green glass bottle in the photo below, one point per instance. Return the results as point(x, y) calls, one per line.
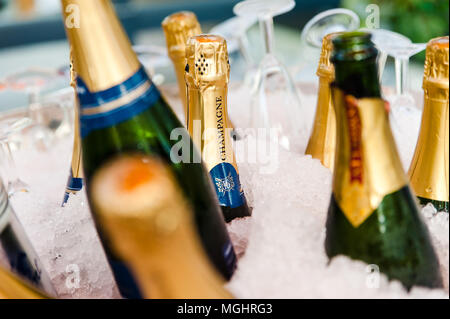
point(121, 111)
point(373, 215)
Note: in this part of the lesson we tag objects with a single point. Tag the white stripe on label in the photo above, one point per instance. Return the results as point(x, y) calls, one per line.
point(124, 100)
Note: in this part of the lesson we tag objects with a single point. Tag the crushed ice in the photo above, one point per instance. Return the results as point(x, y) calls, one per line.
point(281, 247)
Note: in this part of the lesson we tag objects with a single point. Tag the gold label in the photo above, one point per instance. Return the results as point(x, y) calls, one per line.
point(428, 172)
point(208, 125)
point(367, 163)
point(322, 143)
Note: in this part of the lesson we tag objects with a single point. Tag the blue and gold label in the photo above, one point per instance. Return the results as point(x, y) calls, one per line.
point(74, 185)
point(227, 185)
point(216, 144)
point(117, 104)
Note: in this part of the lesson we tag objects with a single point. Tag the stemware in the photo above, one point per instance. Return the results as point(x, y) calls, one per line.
point(275, 101)
point(234, 30)
point(402, 54)
point(8, 127)
point(326, 22)
point(33, 82)
point(322, 24)
point(401, 48)
point(382, 38)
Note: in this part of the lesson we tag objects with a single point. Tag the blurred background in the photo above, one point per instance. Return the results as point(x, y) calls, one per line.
point(32, 33)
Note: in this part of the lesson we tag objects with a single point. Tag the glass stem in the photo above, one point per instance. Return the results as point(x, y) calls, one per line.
point(244, 48)
point(11, 169)
point(266, 25)
point(382, 57)
point(401, 75)
point(33, 106)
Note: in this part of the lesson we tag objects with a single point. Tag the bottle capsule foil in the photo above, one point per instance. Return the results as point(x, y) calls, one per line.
point(428, 172)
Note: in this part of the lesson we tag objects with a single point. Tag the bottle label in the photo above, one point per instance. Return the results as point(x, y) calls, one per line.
point(74, 185)
point(99, 110)
point(217, 150)
point(227, 185)
point(367, 163)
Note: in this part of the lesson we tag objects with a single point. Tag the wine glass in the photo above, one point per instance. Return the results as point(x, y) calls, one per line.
point(326, 22)
point(33, 81)
point(275, 101)
point(57, 111)
point(322, 24)
point(382, 38)
point(402, 54)
point(8, 127)
point(401, 49)
point(234, 30)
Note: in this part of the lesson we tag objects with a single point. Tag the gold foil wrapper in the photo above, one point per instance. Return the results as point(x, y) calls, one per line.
point(429, 170)
point(367, 162)
point(326, 68)
point(102, 53)
point(11, 287)
point(207, 79)
point(76, 166)
point(150, 227)
point(322, 143)
point(178, 28)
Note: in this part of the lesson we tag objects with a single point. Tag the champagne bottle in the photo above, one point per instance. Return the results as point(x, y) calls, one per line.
point(428, 172)
point(75, 180)
point(120, 111)
point(322, 143)
point(150, 225)
point(373, 215)
point(207, 76)
point(12, 287)
point(178, 27)
point(16, 249)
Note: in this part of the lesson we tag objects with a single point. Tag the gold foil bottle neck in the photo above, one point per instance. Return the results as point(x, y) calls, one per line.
point(207, 61)
point(322, 143)
point(429, 170)
point(326, 68)
point(178, 28)
point(76, 166)
point(436, 64)
point(150, 226)
point(102, 53)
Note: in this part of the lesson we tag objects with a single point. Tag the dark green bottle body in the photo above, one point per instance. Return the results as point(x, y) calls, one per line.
point(149, 132)
point(400, 246)
point(393, 237)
